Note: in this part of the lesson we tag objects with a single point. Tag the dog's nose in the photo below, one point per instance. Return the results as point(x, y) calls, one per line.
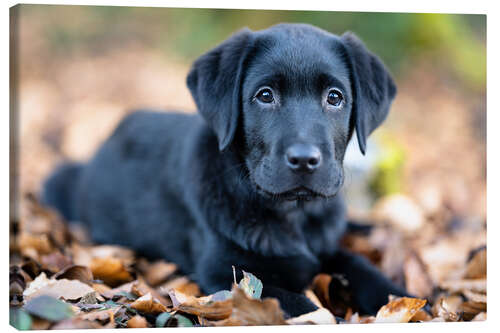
point(302, 157)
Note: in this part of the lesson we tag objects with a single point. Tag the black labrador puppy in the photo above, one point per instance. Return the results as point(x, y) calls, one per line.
point(253, 182)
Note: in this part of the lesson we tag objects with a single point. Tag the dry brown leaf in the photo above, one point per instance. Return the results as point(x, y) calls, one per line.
point(190, 288)
point(137, 321)
point(100, 288)
point(476, 268)
point(55, 261)
point(400, 310)
point(66, 289)
point(75, 272)
point(34, 245)
point(75, 323)
point(448, 308)
point(319, 317)
point(202, 306)
point(417, 280)
point(480, 317)
point(83, 255)
point(101, 315)
point(421, 316)
point(320, 287)
point(182, 284)
point(400, 212)
point(140, 288)
point(39, 282)
point(40, 324)
point(474, 297)
point(147, 304)
point(251, 312)
point(158, 272)
point(456, 286)
point(471, 309)
point(110, 270)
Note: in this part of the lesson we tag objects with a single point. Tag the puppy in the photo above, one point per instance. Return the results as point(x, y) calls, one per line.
point(253, 180)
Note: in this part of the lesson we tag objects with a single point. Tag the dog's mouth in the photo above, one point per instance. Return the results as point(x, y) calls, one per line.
point(300, 193)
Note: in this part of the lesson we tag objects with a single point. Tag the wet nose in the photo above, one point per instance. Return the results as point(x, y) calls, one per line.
point(302, 157)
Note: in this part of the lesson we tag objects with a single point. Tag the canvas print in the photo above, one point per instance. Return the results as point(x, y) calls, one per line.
point(178, 167)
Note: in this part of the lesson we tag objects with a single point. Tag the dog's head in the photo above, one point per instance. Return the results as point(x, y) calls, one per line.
point(290, 98)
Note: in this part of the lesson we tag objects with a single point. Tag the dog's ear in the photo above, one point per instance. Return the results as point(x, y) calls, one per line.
point(215, 82)
point(373, 87)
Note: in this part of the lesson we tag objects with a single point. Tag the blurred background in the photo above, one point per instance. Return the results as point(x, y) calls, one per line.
point(80, 69)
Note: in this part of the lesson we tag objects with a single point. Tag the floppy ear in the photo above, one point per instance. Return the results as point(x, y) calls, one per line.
point(373, 88)
point(215, 82)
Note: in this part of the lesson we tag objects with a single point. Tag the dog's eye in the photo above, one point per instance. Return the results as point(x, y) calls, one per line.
point(335, 97)
point(265, 96)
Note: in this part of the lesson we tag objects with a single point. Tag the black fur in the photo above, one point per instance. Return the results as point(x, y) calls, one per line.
point(219, 190)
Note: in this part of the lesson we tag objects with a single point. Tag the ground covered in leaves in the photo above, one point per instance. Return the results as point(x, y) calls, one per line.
point(59, 280)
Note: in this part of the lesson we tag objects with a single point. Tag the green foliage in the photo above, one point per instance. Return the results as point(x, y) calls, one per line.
point(49, 308)
point(161, 320)
point(388, 176)
point(19, 319)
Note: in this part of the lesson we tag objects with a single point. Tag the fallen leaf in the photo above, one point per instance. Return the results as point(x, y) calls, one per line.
point(319, 317)
point(203, 306)
point(75, 272)
point(137, 321)
point(400, 310)
point(448, 308)
point(101, 288)
point(140, 289)
point(471, 309)
point(400, 212)
point(17, 281)
point(421, 316)
point(418, 282)
point(40, 324)
point(67, 289)
point(480, 317)
point(250, 312)
point(55, 261)
point(162, 319)
point(49, 308)
point(75, 324)
point(19, 319)
point(251, 285)
point(39, 282)
point(40, 244)
point(101, 315)
point(110, 270)
point(461, 285)
point(158, 272)
point(320, 286)
point(179, 321)
point(476, 267)
point(474, 297)
point(32, 268)
point(182, 284)
point(147, 304)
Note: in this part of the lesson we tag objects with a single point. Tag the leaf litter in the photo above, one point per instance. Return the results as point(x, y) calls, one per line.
point(107, 286)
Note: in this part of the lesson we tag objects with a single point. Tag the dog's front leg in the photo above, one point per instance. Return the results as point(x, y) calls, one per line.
point(293, 304)
point(370, 288)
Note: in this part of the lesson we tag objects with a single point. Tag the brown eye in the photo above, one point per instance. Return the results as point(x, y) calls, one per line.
point(265, 96)
point(335, 97)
